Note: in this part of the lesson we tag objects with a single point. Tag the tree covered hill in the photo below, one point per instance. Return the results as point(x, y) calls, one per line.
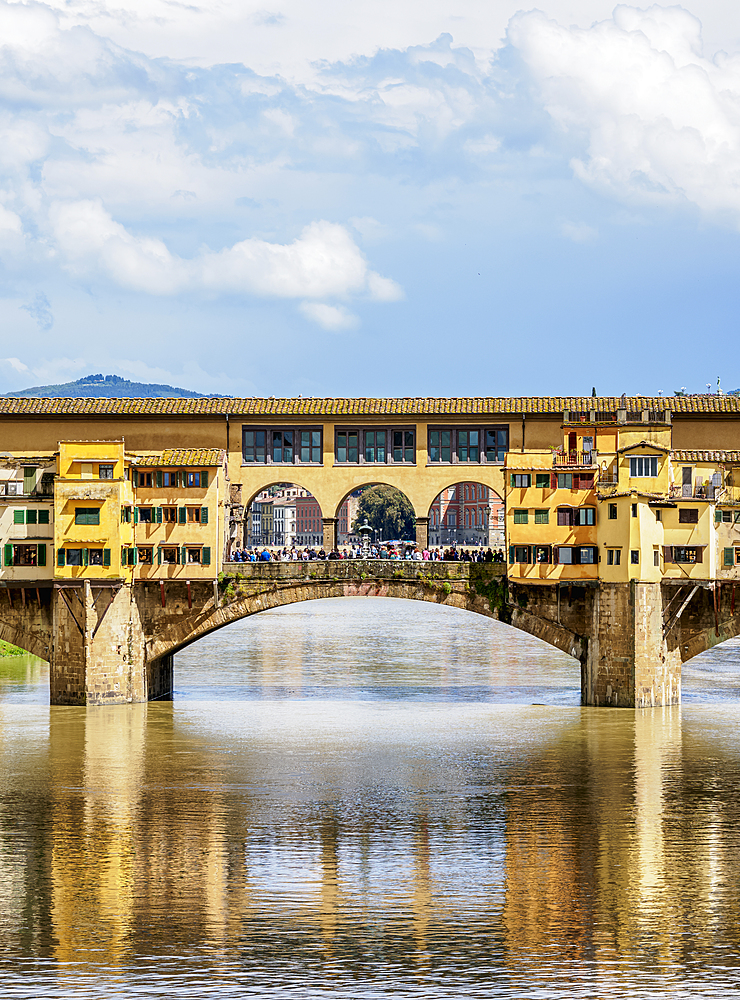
point(107, 386)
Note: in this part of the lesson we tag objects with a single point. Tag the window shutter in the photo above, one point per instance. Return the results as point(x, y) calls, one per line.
point(512, 483)
point(554, 481)
point(41, 555)
point(159, 555)
point(511, 550)
point(159, 479)
point(204, 479)
point(182, 556)
point(134, 557)
point(555, 555)
point(182, 515)
point(204, 515)
point(19, 516)
point(159, 514)
point(9, 555)
point(43, 517)
point(668, 553)
point(205, 556)
point(181, 480)
point(135, 477)
point(85, 556)
point(136, 515)
point(717, 516)
point(60, 557)
point(729, 557)
point(699, 553)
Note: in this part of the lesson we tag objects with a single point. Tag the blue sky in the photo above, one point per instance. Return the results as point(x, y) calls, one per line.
point(371, 199)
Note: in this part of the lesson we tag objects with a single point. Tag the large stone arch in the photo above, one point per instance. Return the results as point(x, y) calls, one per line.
point(26, 619)
point(449, 585)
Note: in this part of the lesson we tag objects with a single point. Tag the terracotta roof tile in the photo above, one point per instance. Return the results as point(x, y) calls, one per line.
point(193, 457)
point(482, 406)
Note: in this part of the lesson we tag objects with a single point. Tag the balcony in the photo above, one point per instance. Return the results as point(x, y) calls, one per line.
point(575, 459)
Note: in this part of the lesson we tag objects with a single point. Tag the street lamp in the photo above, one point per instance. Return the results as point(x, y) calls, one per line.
point(365, 531)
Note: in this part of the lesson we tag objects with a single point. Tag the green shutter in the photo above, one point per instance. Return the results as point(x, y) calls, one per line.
point(136, 515)
point(32, 516)
point(159, 556)
point(41, 557)
point(43, 517)
point(205, 556)
point(134, 558)
point(511, 553)
point(19, 516)
point(204, 515)
point(512, 479)
point(85, 556)
point(729, 557)
point(204, 479)
point(8, 555)
point(60, 557)
point(159, 479)
point(183, 554)
point(717, 516)
point(182, 515)
point(106, 557)
point(158, 514)
point(135, 477)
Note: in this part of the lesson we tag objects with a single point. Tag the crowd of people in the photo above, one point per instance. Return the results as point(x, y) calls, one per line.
point(408, 552)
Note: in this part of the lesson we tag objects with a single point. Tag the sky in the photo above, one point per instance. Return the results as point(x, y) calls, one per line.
point(377, 198)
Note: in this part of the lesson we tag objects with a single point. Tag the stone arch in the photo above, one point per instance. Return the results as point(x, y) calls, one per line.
point(367, 485)
point(467, 512)
point(276, 536)
point(413, 583)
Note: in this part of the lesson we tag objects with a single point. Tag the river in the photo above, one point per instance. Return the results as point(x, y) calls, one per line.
point(364, 798)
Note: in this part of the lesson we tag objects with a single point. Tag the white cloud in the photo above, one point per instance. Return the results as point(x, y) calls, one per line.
point(323, 262)
point(334, 318)
point(579, 232)
point(660, 122)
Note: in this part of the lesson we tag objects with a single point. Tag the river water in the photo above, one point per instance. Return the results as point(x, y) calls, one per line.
point(371, 798)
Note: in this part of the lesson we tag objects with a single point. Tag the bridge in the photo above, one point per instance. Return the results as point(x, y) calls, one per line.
point(116, 643)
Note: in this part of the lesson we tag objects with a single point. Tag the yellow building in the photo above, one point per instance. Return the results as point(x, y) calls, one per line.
point(176, 514)
point(91, 490)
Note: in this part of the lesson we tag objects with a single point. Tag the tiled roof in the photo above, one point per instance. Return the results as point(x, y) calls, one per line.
point(483, 406)
point(193, 457)
point(731, 457)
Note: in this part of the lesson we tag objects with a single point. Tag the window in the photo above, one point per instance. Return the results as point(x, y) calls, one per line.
point(193, 515)
point(658, 514)
point(169, 479)
point(31, 516)
point(19, 516)
point(565, 480)
point(577, 555)
point(105, 471)
point(612, 512)
point(87, 515)
point(688, 515)
point(542, 480)
point(656, 557)
point(565, 556)
point(521, 517)
point(542, 554)
point(281, 446)
point(145, 515)
point(43, 517)
point(587, 555)
point(576, 516)
point(169, 556)
point(144, 478)
point(95, 557)
point(542, 517)
point(634, 556)
point(311, 446)
point(169, 515)
point(613, 557)
point(521, 553)
point(146, 554)
point(193, 556)
point(643, 466)
point(468, 444)
point(690, 554)
point(25, 555)
point(634, 510)
point(194, 479)
point(404, 449)
point(73, 556)
point(375, 446)
point(727, 516)
point(521, 480)
point(348, 448)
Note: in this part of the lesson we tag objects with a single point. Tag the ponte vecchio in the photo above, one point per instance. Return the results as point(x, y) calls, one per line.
point(622, 523)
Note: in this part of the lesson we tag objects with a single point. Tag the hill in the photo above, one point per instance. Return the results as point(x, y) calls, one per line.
point(107, 386)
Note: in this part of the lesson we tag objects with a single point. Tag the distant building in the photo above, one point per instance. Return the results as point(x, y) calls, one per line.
point(466, 514)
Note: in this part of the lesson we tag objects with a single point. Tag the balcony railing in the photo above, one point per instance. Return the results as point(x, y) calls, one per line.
point(586, 459)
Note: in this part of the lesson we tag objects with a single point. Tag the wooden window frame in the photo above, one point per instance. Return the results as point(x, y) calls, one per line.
point(482, 430)
point(364, 444)
point(269, 430)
